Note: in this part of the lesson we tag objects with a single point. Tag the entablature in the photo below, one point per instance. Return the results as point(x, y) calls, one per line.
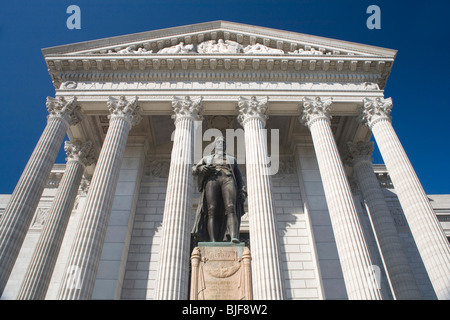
point(221, 67)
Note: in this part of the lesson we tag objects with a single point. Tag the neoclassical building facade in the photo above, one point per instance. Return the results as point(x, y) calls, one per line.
point(299, 111)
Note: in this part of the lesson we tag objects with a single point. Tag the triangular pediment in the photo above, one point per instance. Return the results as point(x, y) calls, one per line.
point(223, 48)
point(219, 37)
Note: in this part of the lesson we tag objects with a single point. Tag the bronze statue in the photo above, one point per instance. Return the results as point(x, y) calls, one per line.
point(223, 194)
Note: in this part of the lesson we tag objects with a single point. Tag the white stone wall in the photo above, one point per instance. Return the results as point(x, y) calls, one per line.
point(143, 254)
point(325, 256)
point(409, 244)
point(441, 205)
point(111, 268)
point(372, 245)
point(29, 244)
point(4, 198)
point(66, 245)
point(299, 268)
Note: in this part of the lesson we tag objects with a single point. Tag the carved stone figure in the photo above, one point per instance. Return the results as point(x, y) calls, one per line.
point(130, 50)
point(223, 194)
point(311, 51)
point(178, 48)
point(261, 49)
point(221, 46)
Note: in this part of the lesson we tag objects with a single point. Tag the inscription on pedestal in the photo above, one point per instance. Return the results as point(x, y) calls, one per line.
point(221, 272)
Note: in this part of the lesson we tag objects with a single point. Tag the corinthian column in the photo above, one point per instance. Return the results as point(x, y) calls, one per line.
point(267, 278)
point(37, 278)
point(425, 228)
point(353, 253)
point(397, 264)
point(173, 271)
point(81, 270)
point(25, 198)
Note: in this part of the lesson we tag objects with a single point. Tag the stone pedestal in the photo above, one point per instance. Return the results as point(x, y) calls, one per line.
point(221, 271)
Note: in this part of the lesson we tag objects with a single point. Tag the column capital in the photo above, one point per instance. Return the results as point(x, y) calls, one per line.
point(314, 109)
point(358, 152)
point(68, 110)
point(123, 108)
point(374, 110)
point(252, 108)
point(187, 108)
point(81, 152)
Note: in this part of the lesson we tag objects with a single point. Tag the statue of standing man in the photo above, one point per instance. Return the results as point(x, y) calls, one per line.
point(223, 194)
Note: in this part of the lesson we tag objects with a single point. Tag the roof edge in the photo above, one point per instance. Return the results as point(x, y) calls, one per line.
point(211, 25)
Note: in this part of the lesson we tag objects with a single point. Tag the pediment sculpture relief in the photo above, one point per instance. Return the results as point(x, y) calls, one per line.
point(132, 50)
point(221, 46)
point(261, 49)
point(178, 48)
point(311, 51)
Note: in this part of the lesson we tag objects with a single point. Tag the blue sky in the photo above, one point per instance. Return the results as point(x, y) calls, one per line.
point(418, 84)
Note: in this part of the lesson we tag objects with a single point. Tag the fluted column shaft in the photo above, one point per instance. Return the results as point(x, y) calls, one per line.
point(173, 271)
point(267, 278)
point(397, 264)
point(39, 272)
point(352, 249)
point(25, 198)
point(79, 278)
point(423, 223)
